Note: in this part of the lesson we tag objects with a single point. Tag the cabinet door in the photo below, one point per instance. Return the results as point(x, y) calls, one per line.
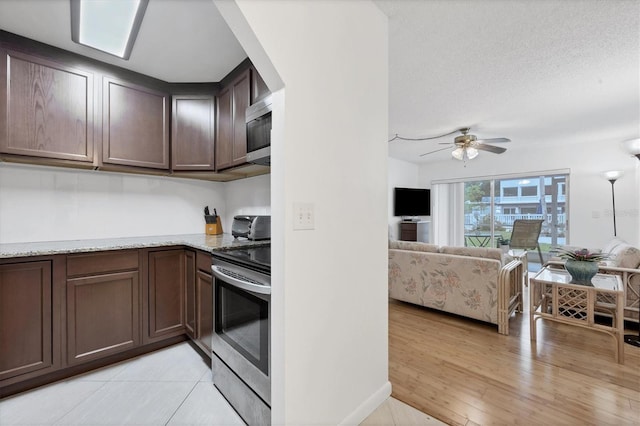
point(25, 318)
point(166, 294)
point(241, 98)
point(259, 88)
point(204, 288)
point(135, 125)
point(46, 108)
point(102, 315)
point(190, 293)
point(192, 133)
point(231, 133)
point(224, 129)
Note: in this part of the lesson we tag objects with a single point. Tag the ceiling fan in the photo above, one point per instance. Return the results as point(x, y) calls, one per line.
point(467, 145)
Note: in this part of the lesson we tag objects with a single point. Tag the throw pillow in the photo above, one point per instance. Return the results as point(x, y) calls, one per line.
point(625, 256)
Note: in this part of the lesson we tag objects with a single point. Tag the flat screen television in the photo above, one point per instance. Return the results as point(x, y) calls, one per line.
point(412, 202)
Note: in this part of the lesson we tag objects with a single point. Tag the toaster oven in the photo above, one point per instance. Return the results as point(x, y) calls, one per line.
point(251, 227)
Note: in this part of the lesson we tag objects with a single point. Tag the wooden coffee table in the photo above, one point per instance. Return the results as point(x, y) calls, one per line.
point(552, 296)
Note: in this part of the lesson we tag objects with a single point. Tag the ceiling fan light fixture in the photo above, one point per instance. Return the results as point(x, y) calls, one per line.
point(472, 153)
point(458, 153)
point(464, 153)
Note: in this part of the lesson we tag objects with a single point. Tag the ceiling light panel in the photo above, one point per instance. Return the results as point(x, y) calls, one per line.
point(107, 25)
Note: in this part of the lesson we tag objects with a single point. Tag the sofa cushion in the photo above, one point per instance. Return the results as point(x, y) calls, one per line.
point(625, 256)
point(611, 245)
point(412, 245)
point(484, 252)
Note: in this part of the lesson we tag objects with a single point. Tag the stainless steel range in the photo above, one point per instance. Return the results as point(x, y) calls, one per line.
point(241, 343)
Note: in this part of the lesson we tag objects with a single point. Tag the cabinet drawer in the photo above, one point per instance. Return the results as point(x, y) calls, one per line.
point(203, 261)
point(96, 263)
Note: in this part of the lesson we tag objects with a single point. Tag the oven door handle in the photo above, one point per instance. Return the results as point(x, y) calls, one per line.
point(244, 285)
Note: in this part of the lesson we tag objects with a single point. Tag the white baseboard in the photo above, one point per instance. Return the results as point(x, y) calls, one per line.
point(363, 411)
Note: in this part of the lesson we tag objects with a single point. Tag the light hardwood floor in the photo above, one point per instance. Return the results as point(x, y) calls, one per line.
point(464, 373)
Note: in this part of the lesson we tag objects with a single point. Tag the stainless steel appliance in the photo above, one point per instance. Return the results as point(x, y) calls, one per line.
point(251, 227)
point(241, 343)
point(258, 119)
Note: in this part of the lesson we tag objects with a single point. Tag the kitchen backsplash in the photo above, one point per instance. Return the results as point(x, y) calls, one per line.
point(48, 204)
point(246, 196)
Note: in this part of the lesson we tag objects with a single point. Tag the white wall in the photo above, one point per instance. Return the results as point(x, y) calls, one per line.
point(404, 175)
point(48, 204)
point(246, 196)
point(329, 285)
point(590, 206)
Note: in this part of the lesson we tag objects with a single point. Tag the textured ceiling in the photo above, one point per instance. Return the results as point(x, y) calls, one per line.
point(179, 40)
point(537, 72)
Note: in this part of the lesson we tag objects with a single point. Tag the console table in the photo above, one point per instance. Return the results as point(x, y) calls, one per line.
point(552, 296)
point(417, 230)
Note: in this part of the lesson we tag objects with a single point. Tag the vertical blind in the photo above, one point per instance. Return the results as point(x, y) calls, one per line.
point(448, 213)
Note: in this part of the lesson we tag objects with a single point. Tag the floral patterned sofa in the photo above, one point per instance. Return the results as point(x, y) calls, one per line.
point(478, 283)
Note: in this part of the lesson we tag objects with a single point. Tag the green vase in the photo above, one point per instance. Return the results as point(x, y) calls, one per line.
point(581, 272)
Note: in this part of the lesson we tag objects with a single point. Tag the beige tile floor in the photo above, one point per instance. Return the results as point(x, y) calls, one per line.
point(397, 413)
point(169, 387)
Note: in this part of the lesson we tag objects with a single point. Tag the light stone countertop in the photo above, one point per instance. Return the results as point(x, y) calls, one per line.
point(203, 242)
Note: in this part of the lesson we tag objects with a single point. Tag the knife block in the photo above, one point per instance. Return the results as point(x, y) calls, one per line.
point(213, 228)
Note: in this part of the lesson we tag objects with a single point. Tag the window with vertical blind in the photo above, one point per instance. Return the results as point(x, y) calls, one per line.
point(481, 211)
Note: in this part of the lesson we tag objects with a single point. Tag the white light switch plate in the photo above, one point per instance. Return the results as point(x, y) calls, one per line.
point(303, 216)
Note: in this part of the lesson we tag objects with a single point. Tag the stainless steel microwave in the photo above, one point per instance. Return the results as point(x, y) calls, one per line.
point(258, 118)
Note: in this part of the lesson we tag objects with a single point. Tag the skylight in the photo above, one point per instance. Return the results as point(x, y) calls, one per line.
point(107, 25)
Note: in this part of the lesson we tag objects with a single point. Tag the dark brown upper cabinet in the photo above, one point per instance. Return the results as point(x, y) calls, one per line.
point(231, 134)
point(135, 125)
point(192, 132)
point(59, 108)
point(46, 108)
point(259, 88)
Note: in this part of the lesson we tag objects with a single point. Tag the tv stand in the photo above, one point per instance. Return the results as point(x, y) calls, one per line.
point(415, 230)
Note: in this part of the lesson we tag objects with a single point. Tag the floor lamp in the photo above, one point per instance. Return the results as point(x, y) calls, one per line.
point(633, 147)
point(612, 177)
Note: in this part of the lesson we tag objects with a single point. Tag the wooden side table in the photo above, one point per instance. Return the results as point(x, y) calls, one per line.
point(552, 296)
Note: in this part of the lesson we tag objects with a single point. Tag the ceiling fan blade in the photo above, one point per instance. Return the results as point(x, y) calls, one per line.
point(433, 152)
point(493, 140)
point(490, 148)
point(445, 143)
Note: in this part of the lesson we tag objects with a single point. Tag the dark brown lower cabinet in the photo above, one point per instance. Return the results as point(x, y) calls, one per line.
point(60, 313)
point(190, 293)
point(26, 326)
point(204, 287)
point(102, 315)
point(166, 294)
